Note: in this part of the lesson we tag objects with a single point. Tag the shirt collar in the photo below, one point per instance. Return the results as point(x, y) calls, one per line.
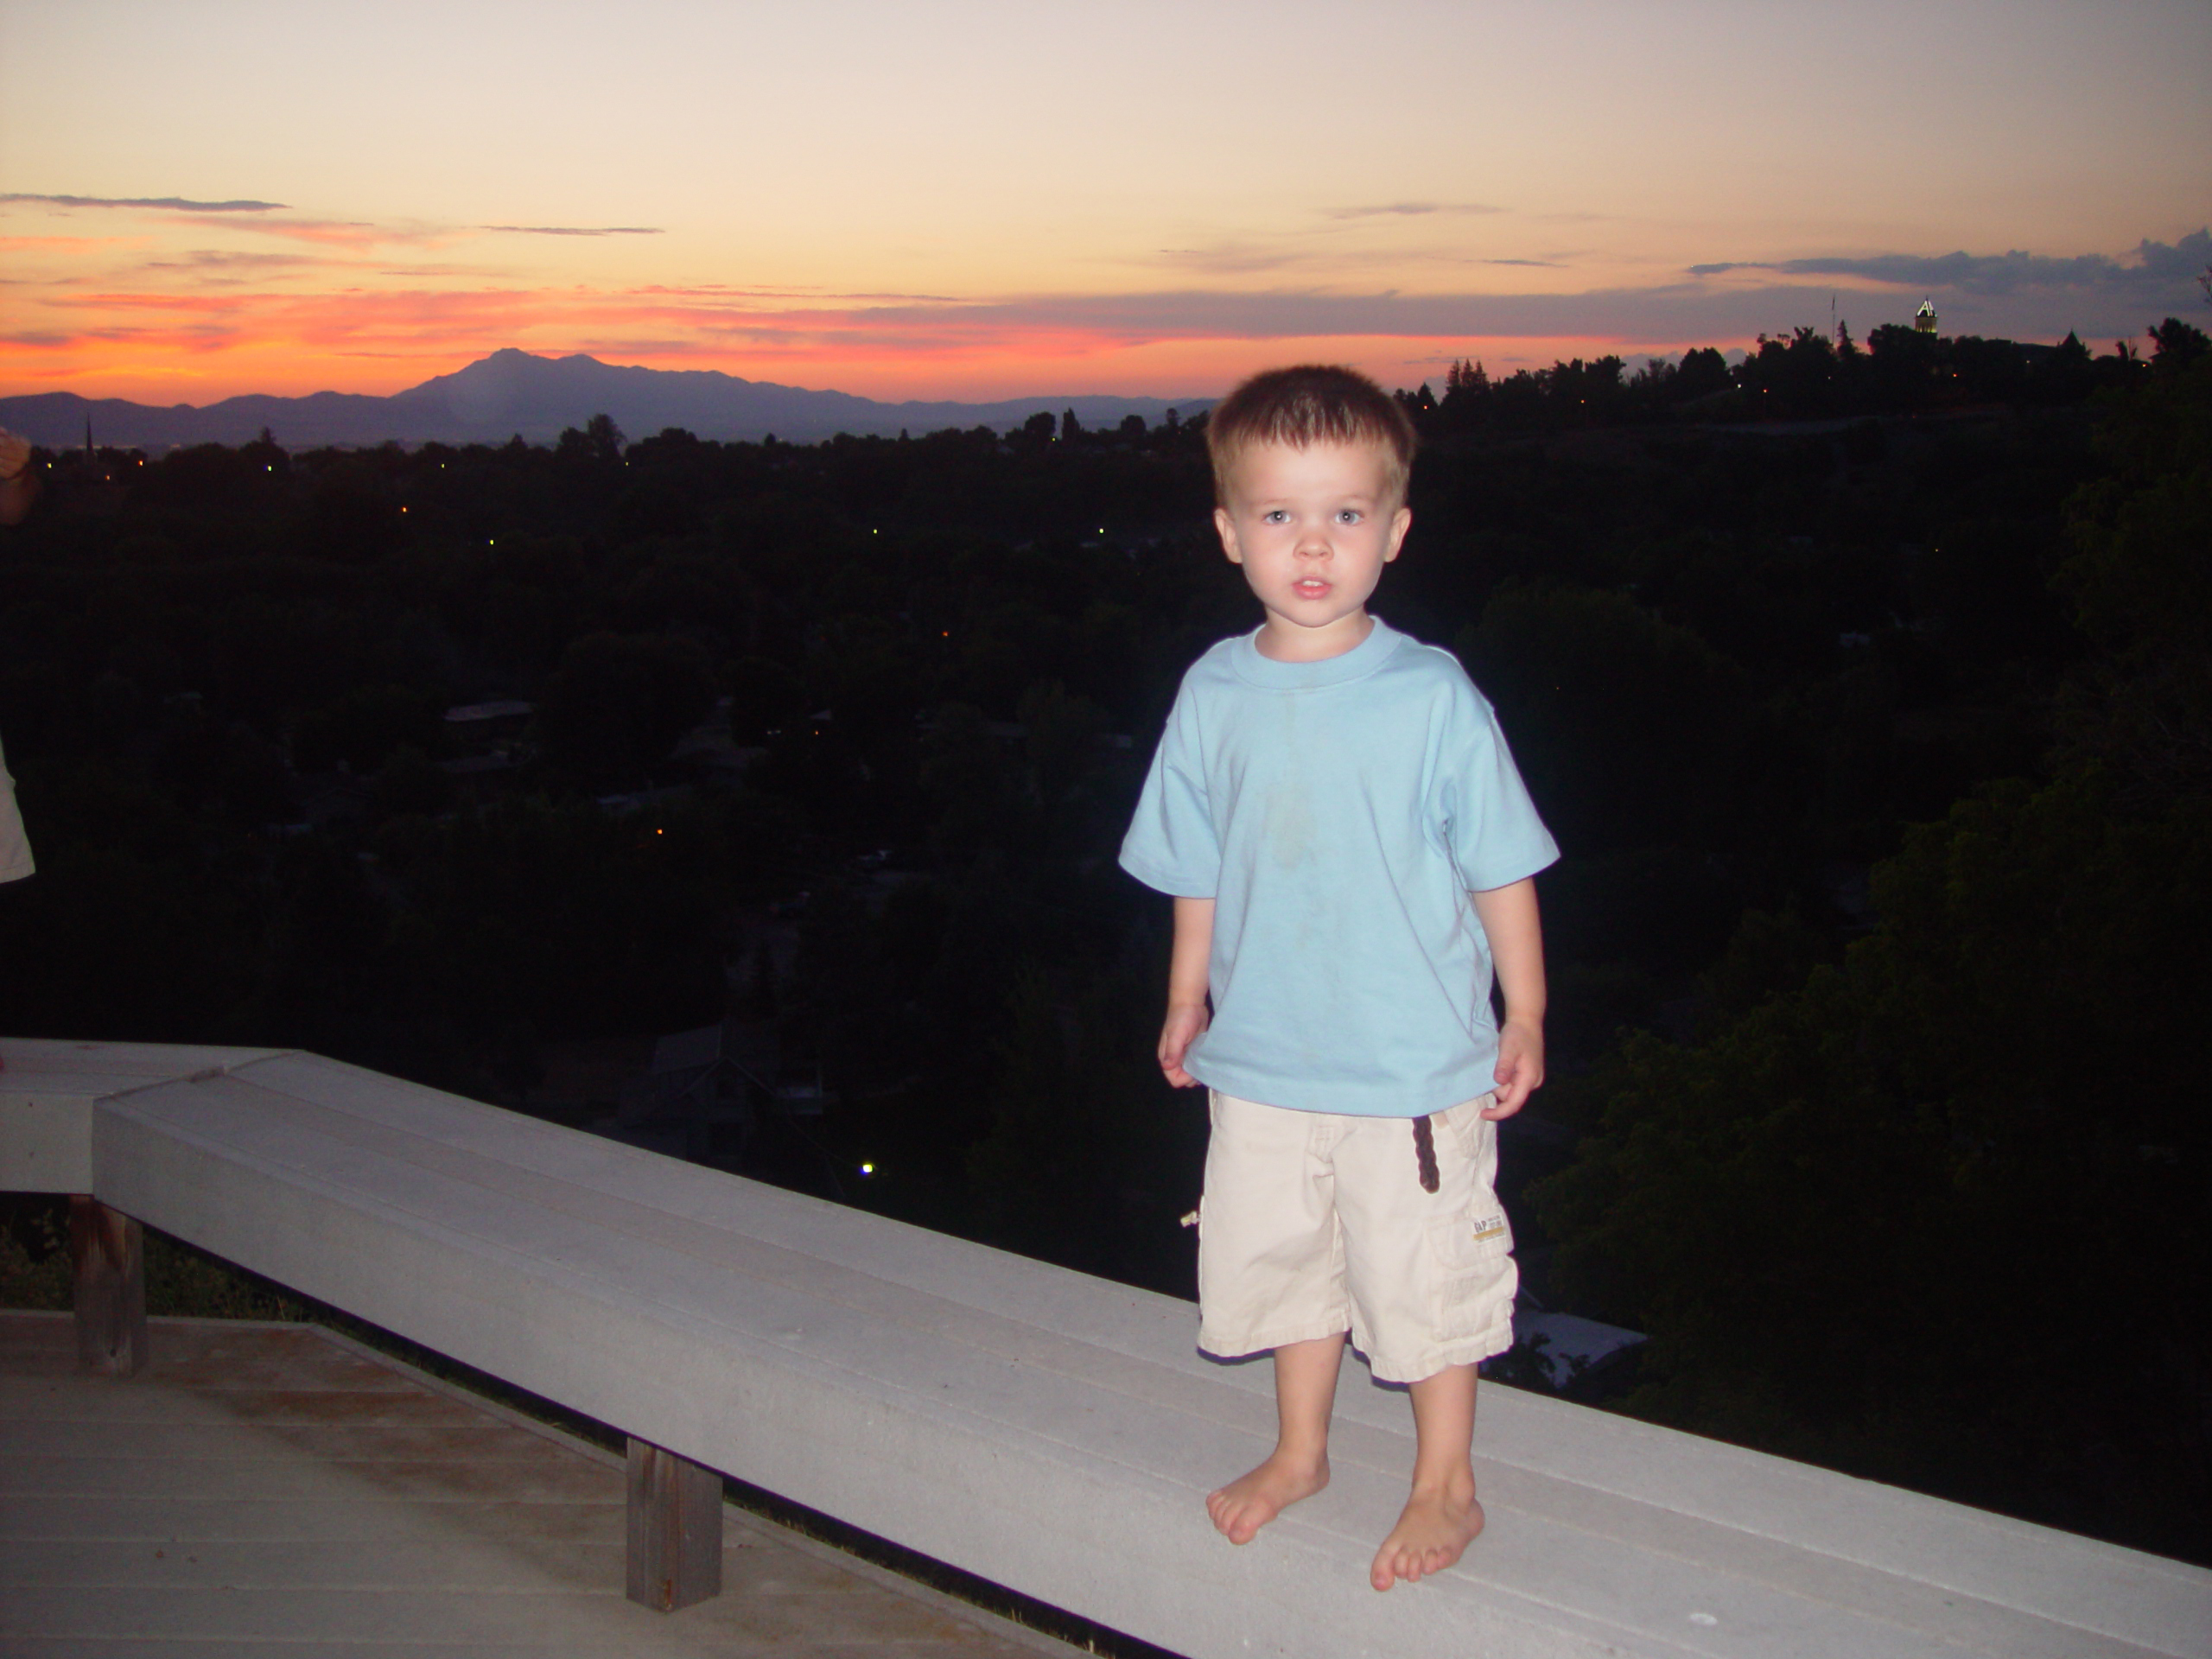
point(1357, 663)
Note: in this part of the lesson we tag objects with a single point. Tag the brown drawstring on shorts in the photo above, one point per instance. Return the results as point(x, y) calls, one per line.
point(1424, 1154)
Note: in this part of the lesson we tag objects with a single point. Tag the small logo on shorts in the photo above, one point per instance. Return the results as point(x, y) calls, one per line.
point(1494, 1228)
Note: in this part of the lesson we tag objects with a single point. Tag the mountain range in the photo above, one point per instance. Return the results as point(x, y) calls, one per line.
point(515, 392)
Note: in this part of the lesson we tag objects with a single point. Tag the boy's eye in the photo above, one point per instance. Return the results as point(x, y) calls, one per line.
point(1276, 516)
point(1349, 516)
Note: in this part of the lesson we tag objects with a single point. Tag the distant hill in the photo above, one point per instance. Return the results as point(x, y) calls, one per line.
point(513, 392)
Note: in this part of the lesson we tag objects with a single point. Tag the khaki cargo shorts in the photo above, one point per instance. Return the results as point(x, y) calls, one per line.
point(1314, 1223)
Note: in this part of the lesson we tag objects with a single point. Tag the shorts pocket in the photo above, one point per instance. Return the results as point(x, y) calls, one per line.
point(1476, 1274)
point(1466, 1242)
point(1477, 1135)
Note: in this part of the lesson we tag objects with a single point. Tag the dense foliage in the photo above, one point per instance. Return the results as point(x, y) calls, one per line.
point(1876, 738)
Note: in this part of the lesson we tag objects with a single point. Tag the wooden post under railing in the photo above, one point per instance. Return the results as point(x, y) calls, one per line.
point(675, 1530)
point(108, 1250)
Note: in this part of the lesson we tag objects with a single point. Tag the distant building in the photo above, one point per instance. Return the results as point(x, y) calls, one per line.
point(1564, 1352)
point(708, 1090)
point(328, 797)
point(479, 779)
point(1924, 321)
point(711, 1072)
point(475, 726)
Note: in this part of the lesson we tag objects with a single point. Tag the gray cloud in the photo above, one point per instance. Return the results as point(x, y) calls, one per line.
point(1669, 314)
point(2154, 264)
point(213, 259)
point(210, 268)
point(1295, 313)
point(176, 204)
point(1250, 257)
point(1412, 209)
point(918, 299)
point(716, 292)
point(575, 230)
point(1231, 258)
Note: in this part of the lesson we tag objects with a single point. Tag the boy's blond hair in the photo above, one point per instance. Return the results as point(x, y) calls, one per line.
point(1313, 403)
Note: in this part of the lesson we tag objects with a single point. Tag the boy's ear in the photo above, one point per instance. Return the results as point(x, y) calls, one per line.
point(1401, 522)
point(1226, 527)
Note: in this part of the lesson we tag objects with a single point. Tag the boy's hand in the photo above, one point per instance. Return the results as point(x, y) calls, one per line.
point(1516, 946)
point(1185, 1021)
point(1519, 1071)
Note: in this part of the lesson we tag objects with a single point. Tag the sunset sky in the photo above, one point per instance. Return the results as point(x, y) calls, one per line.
point(944, 199)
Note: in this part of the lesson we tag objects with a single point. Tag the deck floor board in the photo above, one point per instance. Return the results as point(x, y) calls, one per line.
point(274, 1489)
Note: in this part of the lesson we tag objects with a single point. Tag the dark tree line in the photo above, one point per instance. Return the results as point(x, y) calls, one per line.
point(1806, 375)
point(1875, 737)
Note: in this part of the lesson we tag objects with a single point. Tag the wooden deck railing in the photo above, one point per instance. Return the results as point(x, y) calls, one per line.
point(1053, 1432)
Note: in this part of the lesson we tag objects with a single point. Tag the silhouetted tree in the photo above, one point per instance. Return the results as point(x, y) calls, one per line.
point(619, 701)
point(605, 437)
point(2176, 344)
point(1704, 371)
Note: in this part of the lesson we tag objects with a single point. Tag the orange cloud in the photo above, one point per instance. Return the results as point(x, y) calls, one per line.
point(196, 346)
point(62, 244)
point(197, 324)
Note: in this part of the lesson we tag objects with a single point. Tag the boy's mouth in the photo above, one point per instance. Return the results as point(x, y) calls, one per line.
point(1310, 589)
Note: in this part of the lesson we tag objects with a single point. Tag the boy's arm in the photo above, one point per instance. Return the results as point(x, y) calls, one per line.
point(1517, 951)
point(1187, 986)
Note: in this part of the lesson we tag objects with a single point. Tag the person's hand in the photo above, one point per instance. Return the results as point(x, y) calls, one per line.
point(15, 456)
point(1185, 1021)
point(1520, 1069)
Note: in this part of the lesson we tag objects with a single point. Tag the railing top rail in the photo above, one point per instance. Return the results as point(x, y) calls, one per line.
point(1049, 1431)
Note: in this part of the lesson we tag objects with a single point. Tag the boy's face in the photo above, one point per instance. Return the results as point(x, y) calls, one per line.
point(1312, 529)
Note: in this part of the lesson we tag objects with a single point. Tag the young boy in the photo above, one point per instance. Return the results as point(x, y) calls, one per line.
point(1350, 853)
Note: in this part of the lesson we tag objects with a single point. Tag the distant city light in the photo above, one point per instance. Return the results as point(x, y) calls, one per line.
point(868, 1169)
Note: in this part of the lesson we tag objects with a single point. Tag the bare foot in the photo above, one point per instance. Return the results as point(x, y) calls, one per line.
point(1434, 1529)
point(1248, 1503)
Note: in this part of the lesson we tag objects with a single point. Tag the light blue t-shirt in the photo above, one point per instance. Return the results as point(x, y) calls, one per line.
point(1338, 813)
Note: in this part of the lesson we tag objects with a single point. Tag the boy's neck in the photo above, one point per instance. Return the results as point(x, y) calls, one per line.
point(1285, 642)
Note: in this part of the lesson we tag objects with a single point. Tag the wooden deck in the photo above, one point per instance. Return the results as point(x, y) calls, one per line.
point(277, 1491)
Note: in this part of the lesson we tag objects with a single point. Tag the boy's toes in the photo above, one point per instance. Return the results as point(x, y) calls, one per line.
point(1397, 1561)
point(1430, 1537)
point(1387, 1570)
point(1229, 1518)
point(1248, 1503)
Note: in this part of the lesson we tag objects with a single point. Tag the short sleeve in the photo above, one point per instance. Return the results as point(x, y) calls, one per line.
point(1478, 806)
point(1171, 844)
